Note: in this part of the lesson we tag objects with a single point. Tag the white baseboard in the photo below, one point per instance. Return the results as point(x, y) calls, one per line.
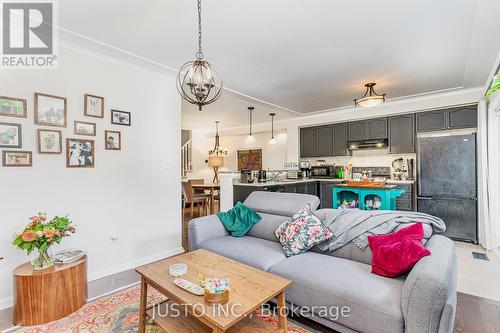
point(7, 302)
point(135, 263)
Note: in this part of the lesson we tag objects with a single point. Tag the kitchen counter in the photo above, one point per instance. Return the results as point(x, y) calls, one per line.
point(288, 182)
point(322, 180)
point(378, 187)
point(394, 181)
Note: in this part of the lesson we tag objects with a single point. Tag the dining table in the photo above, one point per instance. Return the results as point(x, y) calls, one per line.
point(212, 187)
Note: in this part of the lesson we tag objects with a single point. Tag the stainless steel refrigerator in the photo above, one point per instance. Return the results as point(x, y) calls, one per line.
point(447, 181)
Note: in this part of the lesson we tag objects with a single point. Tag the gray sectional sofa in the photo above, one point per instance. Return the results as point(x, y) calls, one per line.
point(422, 301)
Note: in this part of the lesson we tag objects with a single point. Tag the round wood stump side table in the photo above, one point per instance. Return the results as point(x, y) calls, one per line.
point(44, 296)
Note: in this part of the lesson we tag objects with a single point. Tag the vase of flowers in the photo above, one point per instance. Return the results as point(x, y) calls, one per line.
point(39, 235)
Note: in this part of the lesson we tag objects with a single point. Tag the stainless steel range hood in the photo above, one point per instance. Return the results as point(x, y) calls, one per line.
point(367, 144)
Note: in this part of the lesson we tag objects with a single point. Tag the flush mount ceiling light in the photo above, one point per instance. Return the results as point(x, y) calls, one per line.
point(198, 82)
point(250, 137)
point(370, 99)
point(273, 140)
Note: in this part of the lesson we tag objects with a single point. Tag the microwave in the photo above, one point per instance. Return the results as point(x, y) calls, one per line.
point(323, 171)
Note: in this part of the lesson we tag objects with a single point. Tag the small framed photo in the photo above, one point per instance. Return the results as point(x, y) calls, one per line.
point(15, 158)
point(120, 117)
point(84, 128)
point(93, 106)
point(50, 110)
point(113, 140)
point(80, 153)
point(10, 135)
point(13, 107)
point(49, 141)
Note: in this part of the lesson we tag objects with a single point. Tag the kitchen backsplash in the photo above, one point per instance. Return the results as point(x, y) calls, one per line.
point(365, 158)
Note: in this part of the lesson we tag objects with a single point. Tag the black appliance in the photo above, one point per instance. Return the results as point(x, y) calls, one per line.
point(447, 185)
point(246, 176)
point(367, 144)
point(262, 176)
point(322, 171)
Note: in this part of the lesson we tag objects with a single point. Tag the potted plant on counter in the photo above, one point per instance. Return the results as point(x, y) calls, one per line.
point(40, 234)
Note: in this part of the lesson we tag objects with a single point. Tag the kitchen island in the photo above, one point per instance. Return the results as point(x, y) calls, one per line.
point(373, 197)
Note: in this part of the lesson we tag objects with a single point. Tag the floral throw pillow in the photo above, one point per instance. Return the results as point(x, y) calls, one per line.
point(301, 232)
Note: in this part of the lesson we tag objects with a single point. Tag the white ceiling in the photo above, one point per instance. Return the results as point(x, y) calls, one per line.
point(306, 55)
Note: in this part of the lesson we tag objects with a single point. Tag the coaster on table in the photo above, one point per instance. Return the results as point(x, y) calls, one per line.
point(189, 286)
point(178, 270)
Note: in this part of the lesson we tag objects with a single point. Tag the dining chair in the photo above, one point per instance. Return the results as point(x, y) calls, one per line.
point(190, 198)
point(198, 182)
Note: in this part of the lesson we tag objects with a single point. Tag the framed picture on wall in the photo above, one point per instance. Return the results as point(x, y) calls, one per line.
point(85, 128)
point(113, 140)
point(15, 158)
point(80, 153)
point(250, 159)
point(50, 110)
point(10, 135)
point(13, 107)
point(49, 141)
point(93, 106)
point(120, 117)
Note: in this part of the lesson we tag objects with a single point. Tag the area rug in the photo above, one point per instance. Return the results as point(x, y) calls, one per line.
point(119, 313)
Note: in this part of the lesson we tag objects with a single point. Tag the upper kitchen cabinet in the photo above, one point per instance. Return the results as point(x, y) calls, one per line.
point(377, 128)
point(462, 117)
point(431, 121)
point(402, 134)
point(324, 139)
point(357, 130)
point(308, 142)
point(454, 118)
point(368, 129)
point(340, 140)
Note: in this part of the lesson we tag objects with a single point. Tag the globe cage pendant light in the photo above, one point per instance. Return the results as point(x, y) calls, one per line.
point(198, 81)
point(273, 140)
point(250, 138)
point(370, 99)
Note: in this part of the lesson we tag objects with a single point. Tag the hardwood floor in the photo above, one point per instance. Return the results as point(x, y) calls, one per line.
point(474, 314)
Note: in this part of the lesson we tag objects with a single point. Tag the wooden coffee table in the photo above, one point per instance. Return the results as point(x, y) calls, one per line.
point(249, 289)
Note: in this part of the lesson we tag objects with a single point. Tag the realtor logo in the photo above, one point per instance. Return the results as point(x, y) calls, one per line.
point(28, 35)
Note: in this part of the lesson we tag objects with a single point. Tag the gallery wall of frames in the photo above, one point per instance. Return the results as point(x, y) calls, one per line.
point(50, 115)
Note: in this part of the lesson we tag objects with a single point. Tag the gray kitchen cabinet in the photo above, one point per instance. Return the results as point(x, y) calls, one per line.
point(431, 121)
point(241, 192)
point(308, 142)
point(301, 188)
point(357, 130)
point(312, 188)
point(324, 141)
point(462, 117)
point(368, 129)
point(340, 140)
point(326, 195)
point(405, 201)
point(377, 128)
point(453, 118)
point(402, 134)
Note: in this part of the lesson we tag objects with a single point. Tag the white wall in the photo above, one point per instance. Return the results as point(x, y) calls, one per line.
point(273, 156)
point(132, 194)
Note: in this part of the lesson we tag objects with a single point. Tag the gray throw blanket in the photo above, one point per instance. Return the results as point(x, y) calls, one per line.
point(350, 225)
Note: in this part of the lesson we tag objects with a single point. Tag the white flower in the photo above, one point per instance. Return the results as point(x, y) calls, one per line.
point(39, 233)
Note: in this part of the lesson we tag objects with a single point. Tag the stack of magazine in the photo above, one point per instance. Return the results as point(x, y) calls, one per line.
point(67, 256)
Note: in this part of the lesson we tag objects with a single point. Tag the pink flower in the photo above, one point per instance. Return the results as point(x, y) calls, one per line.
point(29, 236)
point(314, 232)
